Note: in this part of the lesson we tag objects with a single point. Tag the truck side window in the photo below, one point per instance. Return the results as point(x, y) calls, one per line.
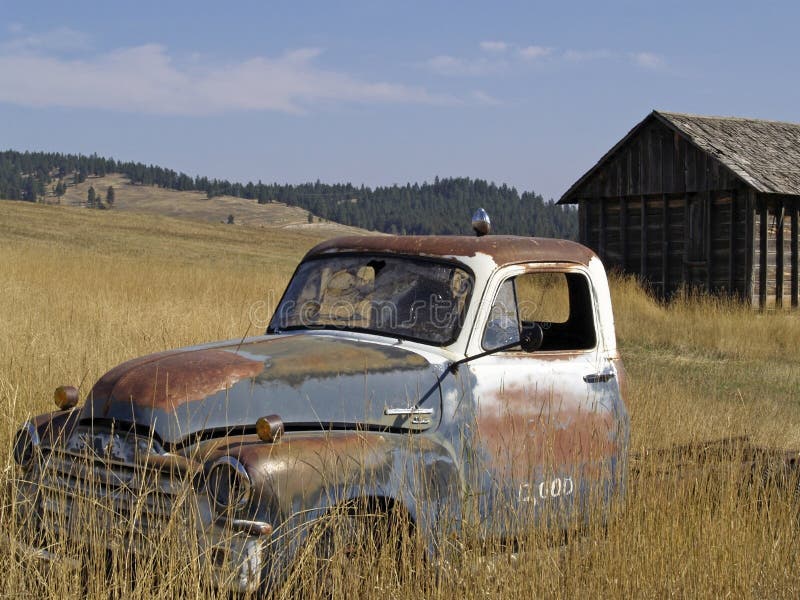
point(503, 325)
point(561, 303)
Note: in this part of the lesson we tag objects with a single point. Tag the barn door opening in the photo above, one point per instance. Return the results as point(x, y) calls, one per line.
point(696, 246)
point(697, 232)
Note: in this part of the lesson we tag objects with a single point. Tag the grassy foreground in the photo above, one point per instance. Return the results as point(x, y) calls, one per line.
point(85, 290)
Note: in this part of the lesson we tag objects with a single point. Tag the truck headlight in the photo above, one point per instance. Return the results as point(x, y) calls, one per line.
point(228, 484)
point(66, 397)
point(26, 444)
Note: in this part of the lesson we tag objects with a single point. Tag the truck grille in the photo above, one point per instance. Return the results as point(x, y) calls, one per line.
point(88, 498)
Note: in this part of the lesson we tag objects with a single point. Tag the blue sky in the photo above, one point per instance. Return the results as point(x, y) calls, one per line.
point(525, 93)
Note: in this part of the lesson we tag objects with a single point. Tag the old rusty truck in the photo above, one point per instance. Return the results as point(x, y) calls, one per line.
point(463, 382)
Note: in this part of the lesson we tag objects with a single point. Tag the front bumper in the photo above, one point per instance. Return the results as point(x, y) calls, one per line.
point(235, 566)
point(233, 552)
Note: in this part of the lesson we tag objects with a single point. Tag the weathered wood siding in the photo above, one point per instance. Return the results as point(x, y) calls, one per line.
point(776, 262)
point(669, 245)
point(657, 160)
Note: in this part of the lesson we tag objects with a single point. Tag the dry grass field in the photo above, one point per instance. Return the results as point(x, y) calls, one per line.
point(150, 199)
point(84, 290)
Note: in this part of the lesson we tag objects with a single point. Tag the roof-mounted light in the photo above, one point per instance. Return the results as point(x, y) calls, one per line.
point(481, 223)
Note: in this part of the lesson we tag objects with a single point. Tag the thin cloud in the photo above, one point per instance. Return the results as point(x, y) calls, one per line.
point(586, 55)
point(454, 66)
point(445, 64)
point(515, 57)
point(146, 79)
point(647, 60)
point(494, 46)
point(60, 39)
point(534, 52)
point(482, 98)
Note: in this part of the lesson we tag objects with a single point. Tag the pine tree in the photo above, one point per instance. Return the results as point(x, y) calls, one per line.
point(441, 206)
point(110, 196)
point(30, 189)
point(91, 196)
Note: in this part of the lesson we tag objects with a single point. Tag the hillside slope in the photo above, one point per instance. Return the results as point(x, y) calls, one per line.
point(443, 206)
point(151, 199)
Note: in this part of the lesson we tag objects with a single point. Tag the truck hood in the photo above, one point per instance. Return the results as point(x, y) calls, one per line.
point(309, 380)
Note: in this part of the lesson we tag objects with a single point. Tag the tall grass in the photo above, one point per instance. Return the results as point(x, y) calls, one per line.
point(83, 291)
point(704, 367)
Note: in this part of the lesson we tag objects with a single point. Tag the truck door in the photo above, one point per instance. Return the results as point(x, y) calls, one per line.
point(548, 423)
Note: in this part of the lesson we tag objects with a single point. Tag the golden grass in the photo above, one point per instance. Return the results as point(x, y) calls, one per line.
point(705, 367)
point(85, 290)
point(149, 199)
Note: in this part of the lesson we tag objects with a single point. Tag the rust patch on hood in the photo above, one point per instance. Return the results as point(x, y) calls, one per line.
point(106, 383)
point(180, 378)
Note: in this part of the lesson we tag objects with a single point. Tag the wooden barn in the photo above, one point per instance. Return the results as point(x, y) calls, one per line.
point(705, 202)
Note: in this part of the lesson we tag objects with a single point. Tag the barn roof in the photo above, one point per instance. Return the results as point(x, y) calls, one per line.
point(764, 154)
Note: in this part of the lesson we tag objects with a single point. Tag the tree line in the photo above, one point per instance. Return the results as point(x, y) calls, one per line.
point(439, 207)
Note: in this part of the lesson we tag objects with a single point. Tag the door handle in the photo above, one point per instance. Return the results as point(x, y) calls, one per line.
point(598, 377)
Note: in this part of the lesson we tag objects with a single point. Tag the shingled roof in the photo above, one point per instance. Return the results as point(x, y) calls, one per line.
point(764, 154)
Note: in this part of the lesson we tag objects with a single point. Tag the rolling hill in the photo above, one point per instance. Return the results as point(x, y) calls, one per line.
point(151, 199)
point(443, 206)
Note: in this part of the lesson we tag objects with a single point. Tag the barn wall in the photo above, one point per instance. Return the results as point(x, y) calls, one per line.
point(657, 160)
point(673, 239)
point(776, 262)
point(716, 254)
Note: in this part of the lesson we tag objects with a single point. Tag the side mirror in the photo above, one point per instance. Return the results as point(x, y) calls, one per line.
point(531, 337)
point(530, 340)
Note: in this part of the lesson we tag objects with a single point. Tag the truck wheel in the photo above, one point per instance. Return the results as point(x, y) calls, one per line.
point(361, 545)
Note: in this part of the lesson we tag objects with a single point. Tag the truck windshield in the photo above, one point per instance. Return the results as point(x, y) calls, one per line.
point(408, 298)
